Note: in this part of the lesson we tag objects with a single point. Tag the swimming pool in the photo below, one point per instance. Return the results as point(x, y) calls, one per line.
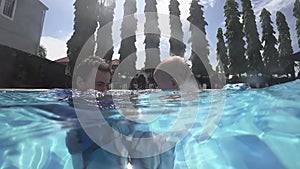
point(257, 128)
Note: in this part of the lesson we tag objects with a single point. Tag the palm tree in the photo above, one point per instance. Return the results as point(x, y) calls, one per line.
point(256, 64)
point(235, 42)
point(222, 57)
point(285, 44)
point(85, 24)
point(177, 47)
point(128, 49)
point(104, 35)
point(152, 37)
point(200, 46)
point(270, 53)
point(296, 14)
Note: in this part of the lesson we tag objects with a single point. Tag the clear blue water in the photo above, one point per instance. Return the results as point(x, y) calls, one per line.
point(253, 129)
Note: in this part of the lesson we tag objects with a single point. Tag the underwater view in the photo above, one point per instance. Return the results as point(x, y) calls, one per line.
point(212, 129)
point(154, 84)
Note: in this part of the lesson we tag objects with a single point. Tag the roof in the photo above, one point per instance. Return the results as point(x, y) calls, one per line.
point(115, 62)
point(43, 5)
point(62, 60)
point(296, 56)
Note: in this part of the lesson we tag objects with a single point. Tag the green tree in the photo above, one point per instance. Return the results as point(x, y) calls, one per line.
point(128, 49)
point(285, 44)
point(152, 40)
point(296, 13)
point(200, 61)
point(106, 16)
point(222, 57)
point(85, 24)
point(270, 52)
point(235, 42)
point(255, 62)
point(42, 52)
point(177, 47)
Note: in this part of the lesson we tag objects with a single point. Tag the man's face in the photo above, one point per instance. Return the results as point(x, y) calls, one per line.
point(102, 80)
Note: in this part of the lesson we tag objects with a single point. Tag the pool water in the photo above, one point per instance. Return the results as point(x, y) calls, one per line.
point(213, 129)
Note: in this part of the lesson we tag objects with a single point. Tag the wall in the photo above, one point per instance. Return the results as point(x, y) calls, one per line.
point(22, 70)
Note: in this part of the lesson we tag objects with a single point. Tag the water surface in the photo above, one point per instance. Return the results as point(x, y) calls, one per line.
point(257, 128)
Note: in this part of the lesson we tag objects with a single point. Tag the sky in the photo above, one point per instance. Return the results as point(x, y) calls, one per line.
point(58, 24)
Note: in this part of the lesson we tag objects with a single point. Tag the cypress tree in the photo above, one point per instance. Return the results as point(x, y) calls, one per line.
point(270, 53)
point(285, 45)
point(152, 40)
point(128, 29)
point(235, 42)
point(222, 57)
point(200, 63)
point(254, 45)
point(177, 47)
point(106, 16)
point(296, 14)
point(85, 24)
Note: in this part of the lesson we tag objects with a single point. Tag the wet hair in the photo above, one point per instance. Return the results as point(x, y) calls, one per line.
point(174, 67)
point(176, 72)
point(85, 67)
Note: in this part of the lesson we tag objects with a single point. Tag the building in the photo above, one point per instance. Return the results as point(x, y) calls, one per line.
point(21, 24)
point(63, 61)
point(295, 56)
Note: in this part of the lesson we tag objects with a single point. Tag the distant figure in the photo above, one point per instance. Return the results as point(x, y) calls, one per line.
point(235, 79)
point(141, 81)
point(173, 74)
point(152, 83)
point(92, 73)
point(133, 84)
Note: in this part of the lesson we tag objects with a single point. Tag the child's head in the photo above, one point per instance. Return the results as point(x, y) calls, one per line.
point(171, 73)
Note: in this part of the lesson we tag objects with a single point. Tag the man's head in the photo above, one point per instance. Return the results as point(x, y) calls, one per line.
point(93, 73)
point(171, 73)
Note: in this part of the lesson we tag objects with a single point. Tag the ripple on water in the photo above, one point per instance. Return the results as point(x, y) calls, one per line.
point(280, 121)
point(258, 128)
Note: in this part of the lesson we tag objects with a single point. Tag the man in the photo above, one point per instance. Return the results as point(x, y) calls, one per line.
point(92, 73)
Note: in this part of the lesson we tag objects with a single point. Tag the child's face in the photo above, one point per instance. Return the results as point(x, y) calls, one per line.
point(164, 81)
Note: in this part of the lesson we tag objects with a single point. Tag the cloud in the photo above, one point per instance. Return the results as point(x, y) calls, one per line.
point(56, 48)
point(271, 5)
point(210, 3)
point(163, 6)
point(184, 8)
point(213, 57)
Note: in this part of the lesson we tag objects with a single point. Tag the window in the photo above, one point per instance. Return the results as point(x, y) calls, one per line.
point(7, 8)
